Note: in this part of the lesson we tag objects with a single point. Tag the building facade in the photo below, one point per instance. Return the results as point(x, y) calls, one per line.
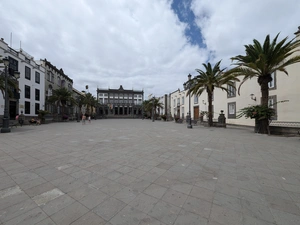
point(282, 88)
point(30, 97)
point(54, 79)
point(120, 102)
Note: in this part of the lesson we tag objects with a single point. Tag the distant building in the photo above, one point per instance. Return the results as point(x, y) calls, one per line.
point(54, 79)
point(30, 98)
point(120, 102)
point(281, 88)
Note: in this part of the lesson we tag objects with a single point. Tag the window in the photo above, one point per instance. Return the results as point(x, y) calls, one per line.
point(52, 77)
point(174, 102)
point(27, 91)
point(27, 107)
point(178, 101)
point(37, 77)
point(195, 99)
point(27, 73)
point(37, 94)
point(272, 83)
point(272, 101)
point(182, 100)
point(48, 76)
point(13, 65)
point(231, 91)
point(58, 81)
point(37, 108)
point(231, 110)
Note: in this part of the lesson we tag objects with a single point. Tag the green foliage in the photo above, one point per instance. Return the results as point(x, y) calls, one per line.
point(42, 113)
point(261, 60)
point(258, 112)
point(209, 79)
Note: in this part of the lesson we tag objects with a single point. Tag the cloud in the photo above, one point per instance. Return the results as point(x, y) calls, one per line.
point(226, 26)
point(137, 44)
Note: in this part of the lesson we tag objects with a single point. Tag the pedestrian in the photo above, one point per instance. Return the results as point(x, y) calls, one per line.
point(21, 118)
point(83, 119)
point(89, 118)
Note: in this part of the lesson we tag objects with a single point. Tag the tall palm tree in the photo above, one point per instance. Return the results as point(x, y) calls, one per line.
point(261, 61)
point(150, 104)
point(12, 84)
point(208, 80)
point(90, 102)
point(60, 97)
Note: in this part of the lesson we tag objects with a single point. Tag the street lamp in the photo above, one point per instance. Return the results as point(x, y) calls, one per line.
point(5, 128)
point(153, 109)
point(187, 85)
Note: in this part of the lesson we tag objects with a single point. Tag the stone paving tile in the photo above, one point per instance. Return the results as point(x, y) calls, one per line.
point(57, 204)
point(257, 211)
point(39, 189)
point(225, 216)
point(174, 197)
point(198, 206)
point(164, 212)
point(155, 190)
point(227, 201)
point(69, 214)
point(47, 221)
point(109, 208)
point(126, 194)
point(283, 218)
point(12, 200)
point(128, 216)
point(189, 218)
point(154, 159)
point(93, 199)
point(16, 210)
point(28, 218)
point(143, 202)
point(89, 219)
point(202, 193)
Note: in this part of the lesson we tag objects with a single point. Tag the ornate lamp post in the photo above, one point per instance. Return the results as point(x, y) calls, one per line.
point(187, 85)
point(5, 128)
point(153, 109)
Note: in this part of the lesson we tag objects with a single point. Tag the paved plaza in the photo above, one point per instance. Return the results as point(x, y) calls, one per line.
point(138, 172)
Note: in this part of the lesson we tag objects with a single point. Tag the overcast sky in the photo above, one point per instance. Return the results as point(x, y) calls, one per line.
point(141, 44)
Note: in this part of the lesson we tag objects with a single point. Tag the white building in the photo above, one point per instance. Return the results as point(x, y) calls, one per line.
point(31, 96)
point(282, 88)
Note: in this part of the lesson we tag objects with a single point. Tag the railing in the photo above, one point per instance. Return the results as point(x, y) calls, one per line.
point(285, 124)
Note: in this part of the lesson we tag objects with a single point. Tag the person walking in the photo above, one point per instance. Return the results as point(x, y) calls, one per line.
point(89, 118)
point(21, 118)
point(83, 119)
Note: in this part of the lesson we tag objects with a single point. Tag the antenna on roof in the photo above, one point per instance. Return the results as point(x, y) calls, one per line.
point(10, 39)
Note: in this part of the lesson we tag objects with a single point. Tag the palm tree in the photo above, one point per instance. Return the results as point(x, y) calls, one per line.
point(60, 97)
point(150, 104)
point(90, 102)
point(261, 61)
point(12, 84)
point(208, 80)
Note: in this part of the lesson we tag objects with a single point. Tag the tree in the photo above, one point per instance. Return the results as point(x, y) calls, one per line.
point(261, 61)
point(90, 102)
point(150, 104)
point(208, 80)
point(12, 83)
point(60, 97)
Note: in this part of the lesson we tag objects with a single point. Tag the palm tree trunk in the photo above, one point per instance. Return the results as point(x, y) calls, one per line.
point(210, 115)
point(264, 88)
